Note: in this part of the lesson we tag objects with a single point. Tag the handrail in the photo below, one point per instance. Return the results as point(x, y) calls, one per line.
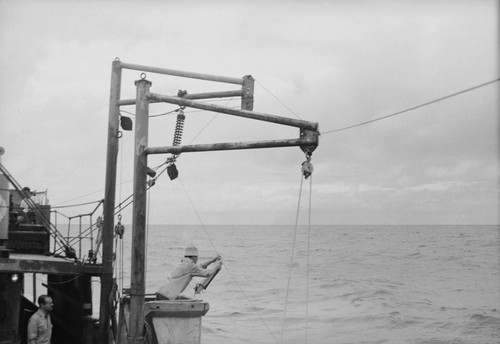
point(56, 235)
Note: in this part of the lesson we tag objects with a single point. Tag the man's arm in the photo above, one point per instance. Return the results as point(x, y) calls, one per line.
point(208, 262)
point(200, 271)
point(32, 331)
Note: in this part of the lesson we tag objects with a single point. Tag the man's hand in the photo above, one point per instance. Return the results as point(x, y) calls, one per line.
point(216, 258)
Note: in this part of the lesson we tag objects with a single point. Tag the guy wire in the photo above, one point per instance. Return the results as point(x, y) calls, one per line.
point(291, 260)
point(308, 257)
point(227, 267)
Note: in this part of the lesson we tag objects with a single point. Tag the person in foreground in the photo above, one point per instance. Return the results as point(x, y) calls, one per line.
point(40, 325)
point(182, 275)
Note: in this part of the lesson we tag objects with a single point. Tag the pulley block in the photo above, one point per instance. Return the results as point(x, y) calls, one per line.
point(119, 229)
point(307, 169)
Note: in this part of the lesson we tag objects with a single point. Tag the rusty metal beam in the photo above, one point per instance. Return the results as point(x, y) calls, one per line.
point(54, 267)
point(206, 95)
point(235, 112)
point(109, 198)
point(138, 259)
point(184, 74)
point(232, 146)
point(219, 94)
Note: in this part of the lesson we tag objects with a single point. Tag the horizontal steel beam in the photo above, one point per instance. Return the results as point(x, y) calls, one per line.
point(13, 265)
point(235, 112)
point(231, 146)
point(184, 74)
point(207, 95)
point(219, 94)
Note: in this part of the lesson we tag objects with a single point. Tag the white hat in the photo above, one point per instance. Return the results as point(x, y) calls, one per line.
point(191, 251)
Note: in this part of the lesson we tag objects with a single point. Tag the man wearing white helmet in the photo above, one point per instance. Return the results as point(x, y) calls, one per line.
point(182, 275)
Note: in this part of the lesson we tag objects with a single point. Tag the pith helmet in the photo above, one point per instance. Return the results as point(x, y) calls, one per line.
point(191, 251)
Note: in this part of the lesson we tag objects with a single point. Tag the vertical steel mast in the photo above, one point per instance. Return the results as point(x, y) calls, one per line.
point(307, 141)
point(138, 261)
point(109, 201)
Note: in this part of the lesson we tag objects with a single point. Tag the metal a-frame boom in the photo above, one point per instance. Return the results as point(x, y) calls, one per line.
point(308, 130)
point(307, 140)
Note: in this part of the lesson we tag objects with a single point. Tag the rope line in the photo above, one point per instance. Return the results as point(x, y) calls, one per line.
point(308, 258)
point(155, 115)
point(293, 112)
point(198, 216)
point(74, 205)
point(204, 127)
point(73, 199)
point(119, 265)
point(291, 261)
point(413, 108)
point(177, 110)
point(227, 267)
point(209, 122)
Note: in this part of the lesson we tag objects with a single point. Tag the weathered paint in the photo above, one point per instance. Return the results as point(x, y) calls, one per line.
point(109, 199)
point(138, 261)
point(235, 112)
point(232, 146)
point(184, 74)
point(43, 265)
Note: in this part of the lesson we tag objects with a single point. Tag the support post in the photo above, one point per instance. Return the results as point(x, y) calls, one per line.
point(109, 202)
point(4, 205)
point(138, 268)
point(247, 90)
point(34, 288)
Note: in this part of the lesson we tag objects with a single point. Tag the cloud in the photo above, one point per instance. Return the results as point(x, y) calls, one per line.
point(334, 63)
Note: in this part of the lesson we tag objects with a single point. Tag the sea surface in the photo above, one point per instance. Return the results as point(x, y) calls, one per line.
point(343, 284)
point(354, 284)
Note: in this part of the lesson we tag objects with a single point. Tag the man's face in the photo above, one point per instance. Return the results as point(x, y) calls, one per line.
point(49, 304)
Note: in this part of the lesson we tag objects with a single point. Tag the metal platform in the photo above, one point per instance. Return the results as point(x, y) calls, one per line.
point(22, 263)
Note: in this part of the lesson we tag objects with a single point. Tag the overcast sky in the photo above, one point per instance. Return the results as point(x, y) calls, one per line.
point(338, 63)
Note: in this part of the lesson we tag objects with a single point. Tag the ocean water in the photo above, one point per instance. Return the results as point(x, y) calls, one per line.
point(366, 284)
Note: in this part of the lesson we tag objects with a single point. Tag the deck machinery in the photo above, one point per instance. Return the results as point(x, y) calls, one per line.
point(39, 249)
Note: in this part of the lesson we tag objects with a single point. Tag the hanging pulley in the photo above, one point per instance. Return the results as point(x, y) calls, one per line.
point(119, 228)
point(126, 123)
point(307, 167)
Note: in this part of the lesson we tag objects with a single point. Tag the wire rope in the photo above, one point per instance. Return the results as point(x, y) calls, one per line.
point(208, 123)
point(227, 267)
point(282, 103)
point(204, 127)
point(147, 234)
point(308, 266)
point(177, 110)
point(164, 114)
point(291, 261)
point(74, 205)
point(412, 108)
point(121, 263)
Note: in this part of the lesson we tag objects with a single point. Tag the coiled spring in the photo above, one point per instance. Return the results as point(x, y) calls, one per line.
point(179, 127)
